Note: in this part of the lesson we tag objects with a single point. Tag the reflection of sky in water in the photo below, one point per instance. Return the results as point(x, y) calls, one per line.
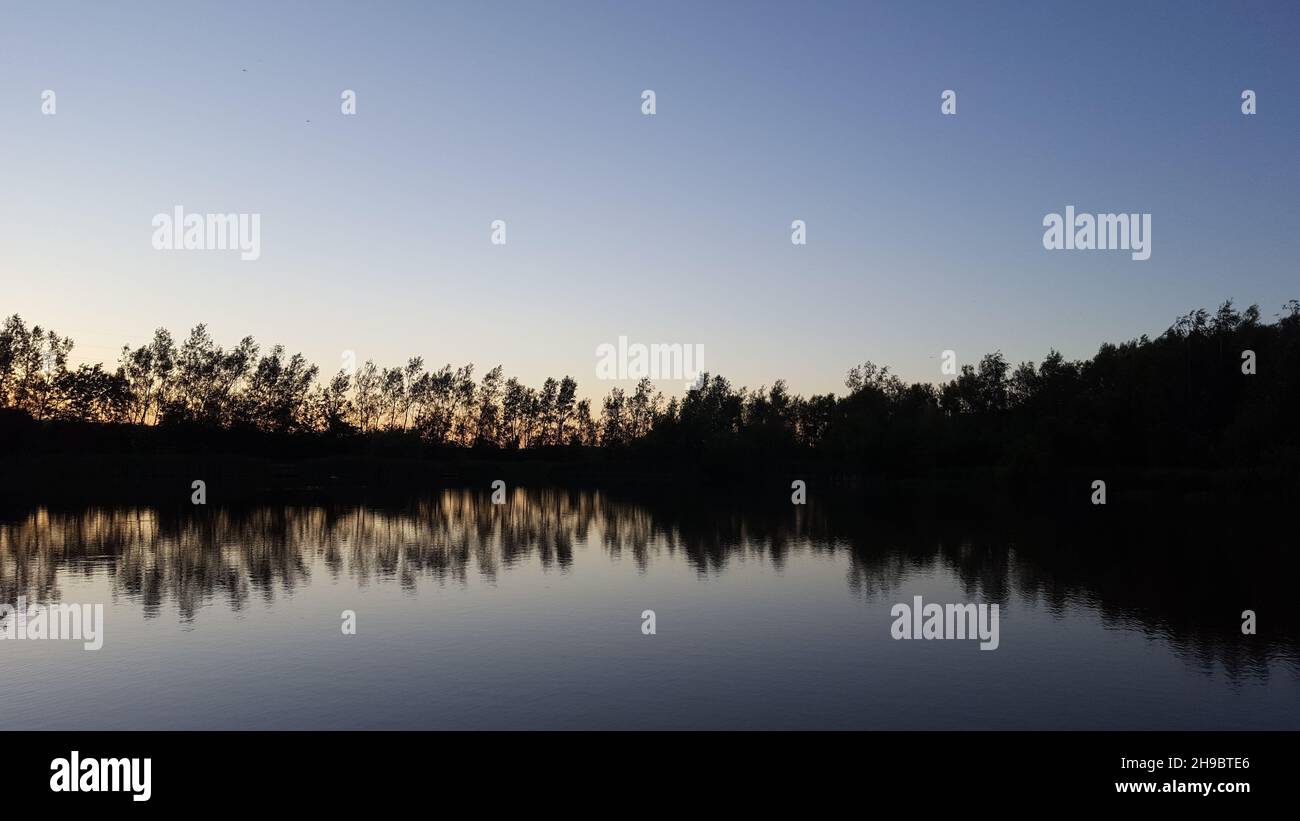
point(529, 616)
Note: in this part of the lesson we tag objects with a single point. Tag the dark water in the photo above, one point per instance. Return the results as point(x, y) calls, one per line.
point(529, 615)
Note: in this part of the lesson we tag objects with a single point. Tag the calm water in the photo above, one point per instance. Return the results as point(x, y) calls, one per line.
point(528, 615)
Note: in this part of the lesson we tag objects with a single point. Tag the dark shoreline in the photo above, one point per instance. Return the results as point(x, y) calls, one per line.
point(89, 477)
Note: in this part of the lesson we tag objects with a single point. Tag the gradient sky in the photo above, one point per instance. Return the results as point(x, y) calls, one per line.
point(924, 231)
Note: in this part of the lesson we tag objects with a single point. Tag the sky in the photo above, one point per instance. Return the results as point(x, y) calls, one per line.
point(924, 231)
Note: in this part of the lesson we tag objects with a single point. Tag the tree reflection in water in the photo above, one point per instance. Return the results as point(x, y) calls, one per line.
point(1172, 576)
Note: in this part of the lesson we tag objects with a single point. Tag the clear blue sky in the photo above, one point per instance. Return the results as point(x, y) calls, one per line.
point(924, 231)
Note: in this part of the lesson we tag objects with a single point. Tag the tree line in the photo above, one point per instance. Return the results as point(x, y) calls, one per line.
point(1215, 389)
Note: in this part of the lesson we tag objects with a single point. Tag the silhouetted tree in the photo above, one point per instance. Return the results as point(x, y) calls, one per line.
point(1180, 399)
